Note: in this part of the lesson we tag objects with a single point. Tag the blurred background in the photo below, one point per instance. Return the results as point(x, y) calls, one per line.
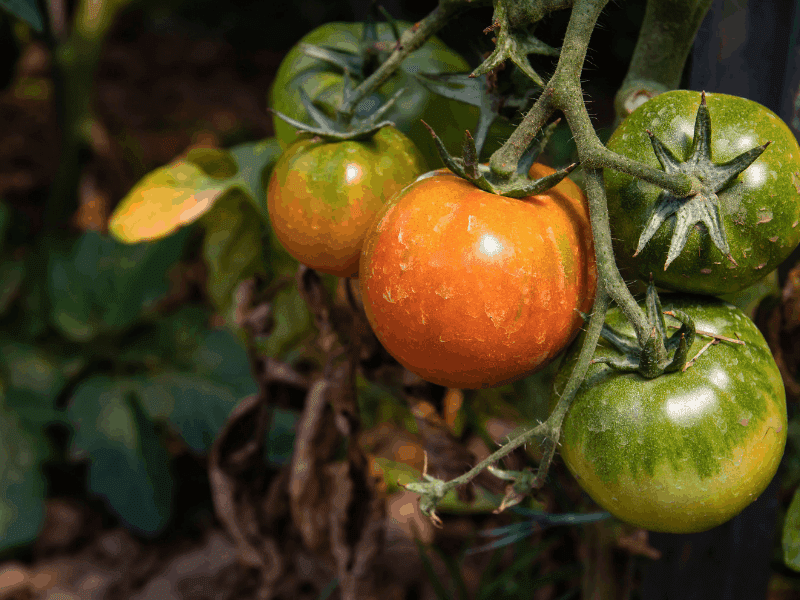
point(156, 397)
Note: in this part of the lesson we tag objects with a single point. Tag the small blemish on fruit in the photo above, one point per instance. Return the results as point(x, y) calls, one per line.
point(766, 217)
point(744, 422)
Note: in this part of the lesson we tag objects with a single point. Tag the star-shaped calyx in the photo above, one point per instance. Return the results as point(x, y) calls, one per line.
point(336, 129)
point(651, 361)
point(704, 206)
point(520, 185)
point(475, 91)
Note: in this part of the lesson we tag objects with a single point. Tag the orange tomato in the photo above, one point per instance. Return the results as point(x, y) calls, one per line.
point(469, 289)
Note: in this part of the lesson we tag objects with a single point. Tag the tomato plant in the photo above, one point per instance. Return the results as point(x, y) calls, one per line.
point(687, 450)
point(322, 194)
point(323, 82)
point(470, 289)
point(759, 209)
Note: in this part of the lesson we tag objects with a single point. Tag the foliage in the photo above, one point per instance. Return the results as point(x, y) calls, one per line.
point(189, 330)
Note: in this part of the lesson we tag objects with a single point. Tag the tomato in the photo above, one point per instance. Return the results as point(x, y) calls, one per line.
point(469, 289)
point(322, 194)
point(760, 209)
point(323, 83)
point(685, 451)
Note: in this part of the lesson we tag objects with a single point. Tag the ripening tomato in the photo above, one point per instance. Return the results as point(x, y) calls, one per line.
point(323, 194)
point(469, 289)
point(688, 450)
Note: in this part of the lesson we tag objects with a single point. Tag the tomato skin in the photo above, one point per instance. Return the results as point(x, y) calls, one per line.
point(686, 451)
point(760, 210)
point(322, 195)
point(323, 83)
point(469, 289)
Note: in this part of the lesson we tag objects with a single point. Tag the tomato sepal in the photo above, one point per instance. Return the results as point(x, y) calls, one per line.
point(703, 206)
point(336, 130)
point(519, 185)
point(661, 353)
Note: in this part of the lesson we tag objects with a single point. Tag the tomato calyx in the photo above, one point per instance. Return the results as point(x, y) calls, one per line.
point(703, 206)
point(519, 185)
point(475, 91)
point(661, 353)
point(336, 129)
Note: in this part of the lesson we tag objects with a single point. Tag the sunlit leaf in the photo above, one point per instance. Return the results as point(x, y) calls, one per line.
point(180, 193)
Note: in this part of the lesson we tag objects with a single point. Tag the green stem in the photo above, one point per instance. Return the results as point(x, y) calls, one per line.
point(412, 39)
point(665, 40)
point(76, 63)
point(607, 271)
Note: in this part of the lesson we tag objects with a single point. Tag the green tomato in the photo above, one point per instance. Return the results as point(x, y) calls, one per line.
point(322, 195)
point(323, 84)
point(688, 450)
point(759, 209)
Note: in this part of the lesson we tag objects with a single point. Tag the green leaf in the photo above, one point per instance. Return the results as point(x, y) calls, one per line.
point(292, 323)
point(233, 246)
point(32, 384)
point(186, 189)
point(197, 402)
point(129, 467)
point(222, 359)
point(105, 286)
point(27, 10)
point(22, 484)
point(196, 407)
point(791, 534)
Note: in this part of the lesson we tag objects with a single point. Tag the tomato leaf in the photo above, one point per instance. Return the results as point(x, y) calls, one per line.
point(128, 464)
point(103, 285)
point(183, 191)
point(32, 383)
point(233, 246)
point(197, 399)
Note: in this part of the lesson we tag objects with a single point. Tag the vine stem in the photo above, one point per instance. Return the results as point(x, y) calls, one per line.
point(411, 39)
point(563, 93)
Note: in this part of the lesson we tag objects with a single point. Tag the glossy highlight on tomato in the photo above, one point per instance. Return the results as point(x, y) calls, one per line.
point(685, 451)
point(322, 195)
point(469, 289)
point(760, 209)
